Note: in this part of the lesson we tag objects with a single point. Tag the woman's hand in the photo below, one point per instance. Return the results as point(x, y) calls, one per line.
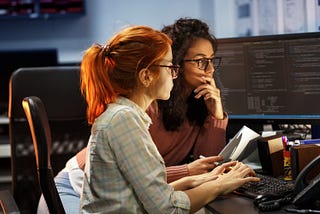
point(225, 167)
point(189, 182)
point(234, 174)
point(203, 165)
point(229, 176)
point(211, 95)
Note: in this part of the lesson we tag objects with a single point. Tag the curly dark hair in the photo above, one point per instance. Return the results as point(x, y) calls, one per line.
point(173, 111)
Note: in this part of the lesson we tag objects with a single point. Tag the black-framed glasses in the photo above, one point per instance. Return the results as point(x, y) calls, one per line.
point(174, 69)
point(203, 63)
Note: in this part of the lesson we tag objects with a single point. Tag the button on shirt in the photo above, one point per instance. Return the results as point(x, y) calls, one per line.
point(124, 171)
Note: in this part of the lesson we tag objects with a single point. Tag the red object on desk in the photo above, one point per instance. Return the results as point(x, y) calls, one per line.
point(287, 171)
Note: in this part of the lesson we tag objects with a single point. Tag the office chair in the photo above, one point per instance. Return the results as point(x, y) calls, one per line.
point(58, 88)
point(41, 137)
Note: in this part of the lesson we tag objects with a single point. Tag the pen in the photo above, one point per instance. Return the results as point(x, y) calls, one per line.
point(311, 141)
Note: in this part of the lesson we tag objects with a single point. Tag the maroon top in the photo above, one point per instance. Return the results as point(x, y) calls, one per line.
point(175, 146)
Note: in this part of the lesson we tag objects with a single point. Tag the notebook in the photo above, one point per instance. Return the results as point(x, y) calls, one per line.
point(242, 146)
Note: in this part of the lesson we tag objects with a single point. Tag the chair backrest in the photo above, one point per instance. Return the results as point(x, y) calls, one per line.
point(41, 138)
point(58, 88)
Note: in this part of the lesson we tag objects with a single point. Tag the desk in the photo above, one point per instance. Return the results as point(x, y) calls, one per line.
point(235, 204)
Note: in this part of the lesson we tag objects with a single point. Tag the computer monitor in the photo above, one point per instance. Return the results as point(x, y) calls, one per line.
point(272, 79)
point(10, 60)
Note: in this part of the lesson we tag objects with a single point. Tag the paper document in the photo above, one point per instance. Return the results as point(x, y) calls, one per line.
point(241, 145)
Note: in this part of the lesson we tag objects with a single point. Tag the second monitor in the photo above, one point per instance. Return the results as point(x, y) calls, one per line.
point(271, 79)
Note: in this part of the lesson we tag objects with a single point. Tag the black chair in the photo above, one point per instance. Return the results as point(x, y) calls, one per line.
point(41, 137)
point(58, 88)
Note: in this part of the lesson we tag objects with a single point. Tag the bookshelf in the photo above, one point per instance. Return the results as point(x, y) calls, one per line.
point(34, 9)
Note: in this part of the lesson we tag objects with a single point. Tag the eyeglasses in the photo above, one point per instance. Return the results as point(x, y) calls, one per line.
point(203, 63)
point(174, 69)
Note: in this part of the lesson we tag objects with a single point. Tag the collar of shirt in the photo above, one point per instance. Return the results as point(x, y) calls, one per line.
point(125, 101)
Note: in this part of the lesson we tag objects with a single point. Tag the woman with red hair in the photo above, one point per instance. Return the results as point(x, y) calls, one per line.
point(124, 171)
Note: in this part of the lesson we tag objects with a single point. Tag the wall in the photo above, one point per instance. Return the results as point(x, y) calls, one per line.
point(234, 18)
point(224, 18)
point(103, 18)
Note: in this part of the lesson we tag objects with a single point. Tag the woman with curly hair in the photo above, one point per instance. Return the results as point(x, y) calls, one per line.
point(192, 122)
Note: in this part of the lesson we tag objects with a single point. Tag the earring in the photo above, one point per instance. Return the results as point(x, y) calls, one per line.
point(146, 83)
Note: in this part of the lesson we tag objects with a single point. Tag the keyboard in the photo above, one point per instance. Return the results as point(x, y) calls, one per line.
point(266, 185)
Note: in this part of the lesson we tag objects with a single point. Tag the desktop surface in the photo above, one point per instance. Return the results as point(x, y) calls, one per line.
point(233, 203)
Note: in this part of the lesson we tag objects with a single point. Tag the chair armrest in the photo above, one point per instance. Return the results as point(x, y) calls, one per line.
point(8, 204)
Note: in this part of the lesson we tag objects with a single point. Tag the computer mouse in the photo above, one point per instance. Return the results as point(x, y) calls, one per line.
point(265, 197)
point(267, 202)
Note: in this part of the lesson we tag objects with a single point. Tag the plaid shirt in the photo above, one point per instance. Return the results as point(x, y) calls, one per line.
point(124, 171)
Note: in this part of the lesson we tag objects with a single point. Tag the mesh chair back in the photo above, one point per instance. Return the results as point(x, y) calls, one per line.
point(58, 88)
